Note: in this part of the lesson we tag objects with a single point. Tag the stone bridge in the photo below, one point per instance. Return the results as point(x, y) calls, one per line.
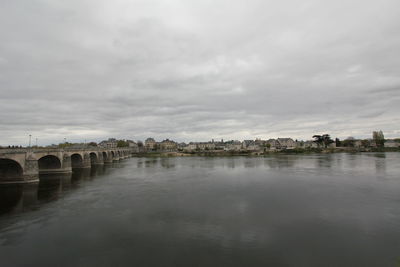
point(24, 165)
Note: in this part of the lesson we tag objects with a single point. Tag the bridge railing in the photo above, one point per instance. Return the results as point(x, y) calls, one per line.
point(13, 150)
point(48, 149)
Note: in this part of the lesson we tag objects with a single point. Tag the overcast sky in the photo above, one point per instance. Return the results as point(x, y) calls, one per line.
point(198, 69)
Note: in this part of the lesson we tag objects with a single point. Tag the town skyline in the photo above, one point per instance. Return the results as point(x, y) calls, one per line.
point(33, 141)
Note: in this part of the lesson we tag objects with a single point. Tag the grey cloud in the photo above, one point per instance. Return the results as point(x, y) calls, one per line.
point(196, 70)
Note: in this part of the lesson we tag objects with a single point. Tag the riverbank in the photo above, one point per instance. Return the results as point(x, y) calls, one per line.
point(220, 153)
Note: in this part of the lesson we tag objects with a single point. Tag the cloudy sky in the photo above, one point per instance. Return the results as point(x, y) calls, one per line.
point(198, 69)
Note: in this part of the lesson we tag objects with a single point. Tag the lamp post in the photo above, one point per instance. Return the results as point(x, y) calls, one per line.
point(30, 137)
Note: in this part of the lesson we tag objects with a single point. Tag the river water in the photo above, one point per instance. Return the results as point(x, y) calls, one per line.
point(284, 210)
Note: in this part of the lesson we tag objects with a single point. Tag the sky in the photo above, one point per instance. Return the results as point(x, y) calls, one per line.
point(196, 70)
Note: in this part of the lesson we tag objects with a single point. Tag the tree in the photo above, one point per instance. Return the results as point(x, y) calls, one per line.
point(365, 143)
point(349, 142)
point(324, 140)
point(92, 144)
point(64, 145)
point(327, 140)
point(378, 138)
point(122, 143)
point(318, 139)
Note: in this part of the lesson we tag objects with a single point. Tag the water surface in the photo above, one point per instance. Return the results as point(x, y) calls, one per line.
point(286, 210)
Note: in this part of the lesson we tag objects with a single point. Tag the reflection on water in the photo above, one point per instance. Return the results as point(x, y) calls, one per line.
point(278, 210)
point(380, 164)
point(51, 186)
point(23, 197)
point(13, 198)
point(281, 161)
point(167, 163)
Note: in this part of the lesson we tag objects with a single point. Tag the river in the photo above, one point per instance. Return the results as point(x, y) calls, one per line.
point(282, 210)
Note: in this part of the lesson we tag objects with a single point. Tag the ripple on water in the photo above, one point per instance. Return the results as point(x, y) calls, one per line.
point(288, 210)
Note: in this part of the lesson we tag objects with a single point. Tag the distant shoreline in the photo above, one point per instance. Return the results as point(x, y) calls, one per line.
point(262, 153)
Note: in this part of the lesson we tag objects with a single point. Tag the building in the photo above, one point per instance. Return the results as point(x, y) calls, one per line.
point(200, 146)
point(206, 146)
point(233, 145)
point(181, 146)
point(190, 147)
point(251, 145)
point(310, 144)
point(272, 144)
point(133, 145)
point(219, 145)
point(392, 143)
point(260, 143)
point(168, 145)
point(150, 144)
point(285, 143)
point(246, 143)
point(110, 143)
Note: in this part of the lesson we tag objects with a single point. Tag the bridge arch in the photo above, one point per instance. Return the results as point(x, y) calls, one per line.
point(49, 162)
point(105, 156)
point(10, 169)
point(76, 160)
point(93, 158)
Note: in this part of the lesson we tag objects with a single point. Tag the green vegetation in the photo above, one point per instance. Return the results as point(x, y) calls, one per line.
point(378, 138)
point(64, 145)
point(122, 143)
point(365, 143)
point(324, 140)
point(349, 142)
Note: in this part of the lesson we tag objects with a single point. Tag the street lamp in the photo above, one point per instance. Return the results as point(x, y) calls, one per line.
point(30, 137)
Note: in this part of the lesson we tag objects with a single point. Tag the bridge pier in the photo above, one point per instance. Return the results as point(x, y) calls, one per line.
point(108, 160)
point(31, 169)
point(96, 159)
point(98, 163)
point(86, 161)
